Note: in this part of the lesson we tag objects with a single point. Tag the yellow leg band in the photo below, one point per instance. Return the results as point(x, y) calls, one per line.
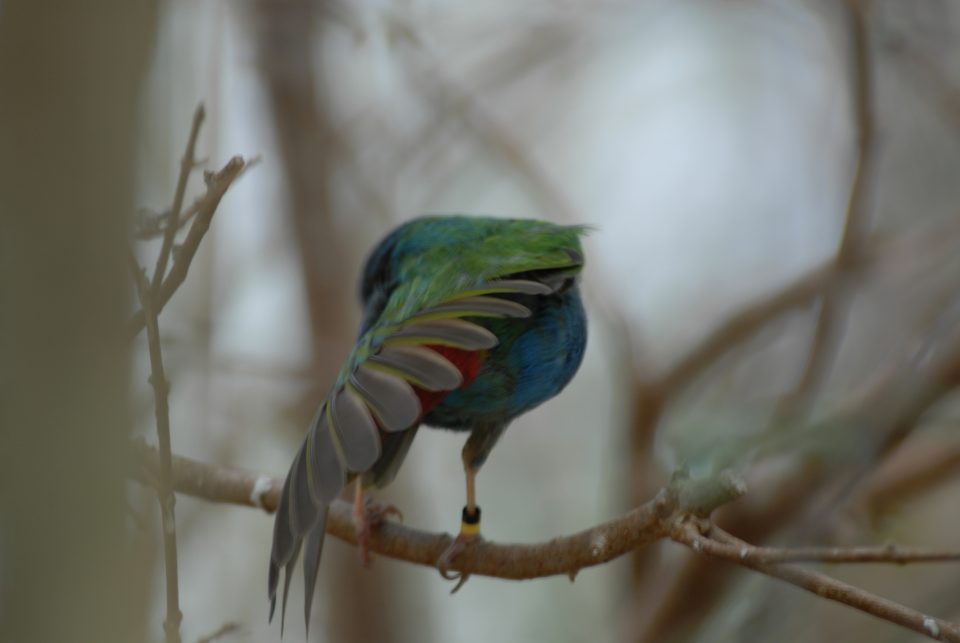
point(470, 523)
point(467, 529)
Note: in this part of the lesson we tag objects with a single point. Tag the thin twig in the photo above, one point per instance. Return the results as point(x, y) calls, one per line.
point(490, 131)
point(914, 468)
point(223, 630)
point(161, 390)
point(187, 163)
point(892, 554)
point(889, 414)
point(719, 544)
point(889, 407)
point(744, 324)
point(150, 225)
point(823, 346)
point(930, 78)
point(217, 185)
point(876, 253)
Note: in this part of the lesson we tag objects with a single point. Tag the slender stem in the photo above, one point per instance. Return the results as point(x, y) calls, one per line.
point(217, 185)
point(744, 324)
point(832, 314)
point(173, 222)
point(890, 554)
point(719, 544)
point(165, 495)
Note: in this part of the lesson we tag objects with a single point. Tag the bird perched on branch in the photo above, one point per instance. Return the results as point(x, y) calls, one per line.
point(468, 322)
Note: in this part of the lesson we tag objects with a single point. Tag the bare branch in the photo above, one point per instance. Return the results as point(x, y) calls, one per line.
point(669, 515)
point(465, 101)
point(876, 252)
point(892, 554)
point(718, 544)
point(150, 225)
point(165, 495)
point(187, 164)
point(919, 465)
point(832, 316)
point(565, 555)
point(223, 630)
point(217, 185)
point(745, 323)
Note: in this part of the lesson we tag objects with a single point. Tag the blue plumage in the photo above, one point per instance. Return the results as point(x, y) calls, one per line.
point(535, 359)
point(468, 322)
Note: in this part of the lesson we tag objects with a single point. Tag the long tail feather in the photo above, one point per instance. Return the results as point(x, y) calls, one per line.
point(287, 576)
point(314, 480)
point(311, 564)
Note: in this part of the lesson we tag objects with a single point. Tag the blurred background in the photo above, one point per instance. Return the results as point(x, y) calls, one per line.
point(714, 146)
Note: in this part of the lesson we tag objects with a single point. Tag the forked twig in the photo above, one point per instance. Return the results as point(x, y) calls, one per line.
point(710, 540)
point(217, 185)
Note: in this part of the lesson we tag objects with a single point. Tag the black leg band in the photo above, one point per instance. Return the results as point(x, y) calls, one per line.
point(470, 523)
point(468, 519)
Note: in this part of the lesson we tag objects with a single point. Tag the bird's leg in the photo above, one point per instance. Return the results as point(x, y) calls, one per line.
point(469, 529)
point(360, 523)
point(471, 511)
point(367, 514)
point(475, 452)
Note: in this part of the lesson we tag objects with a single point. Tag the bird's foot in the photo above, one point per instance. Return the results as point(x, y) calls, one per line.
point(367, 517)
point(469, 533)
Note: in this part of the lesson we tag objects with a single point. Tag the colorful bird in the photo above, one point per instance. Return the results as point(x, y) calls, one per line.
point(468, 322)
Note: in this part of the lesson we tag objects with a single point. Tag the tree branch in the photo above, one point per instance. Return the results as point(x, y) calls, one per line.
point(674, 513)
point(710, 540)
point(187, 164)
point(745, 323)
point(919, 465)
point(823, 346)
point(161, 390)
point(565, 555)
point(892, 554)
point(222, 631)
point(217, 185)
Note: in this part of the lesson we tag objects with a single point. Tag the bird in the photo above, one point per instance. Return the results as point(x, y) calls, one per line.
point(468, 322)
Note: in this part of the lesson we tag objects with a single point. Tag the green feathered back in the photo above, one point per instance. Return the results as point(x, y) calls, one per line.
point(437, 258)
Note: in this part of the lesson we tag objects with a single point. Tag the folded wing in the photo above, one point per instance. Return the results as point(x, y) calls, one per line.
point(376, 392)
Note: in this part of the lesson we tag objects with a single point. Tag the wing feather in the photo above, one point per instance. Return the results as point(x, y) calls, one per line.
point(356, 430)
point(505, 286)
point(287, 577)
point(391, 398)
point(303, 506)
point(479, 306)
point(328, 475)
point(423, 367)
point(374, 393)
point(311, 564)
point(445, 332)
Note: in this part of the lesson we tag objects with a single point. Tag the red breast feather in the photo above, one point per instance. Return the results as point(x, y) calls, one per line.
point(467, 362)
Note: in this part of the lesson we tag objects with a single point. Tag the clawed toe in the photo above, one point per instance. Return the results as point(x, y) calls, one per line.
point(372, 515)
point(447, 557)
